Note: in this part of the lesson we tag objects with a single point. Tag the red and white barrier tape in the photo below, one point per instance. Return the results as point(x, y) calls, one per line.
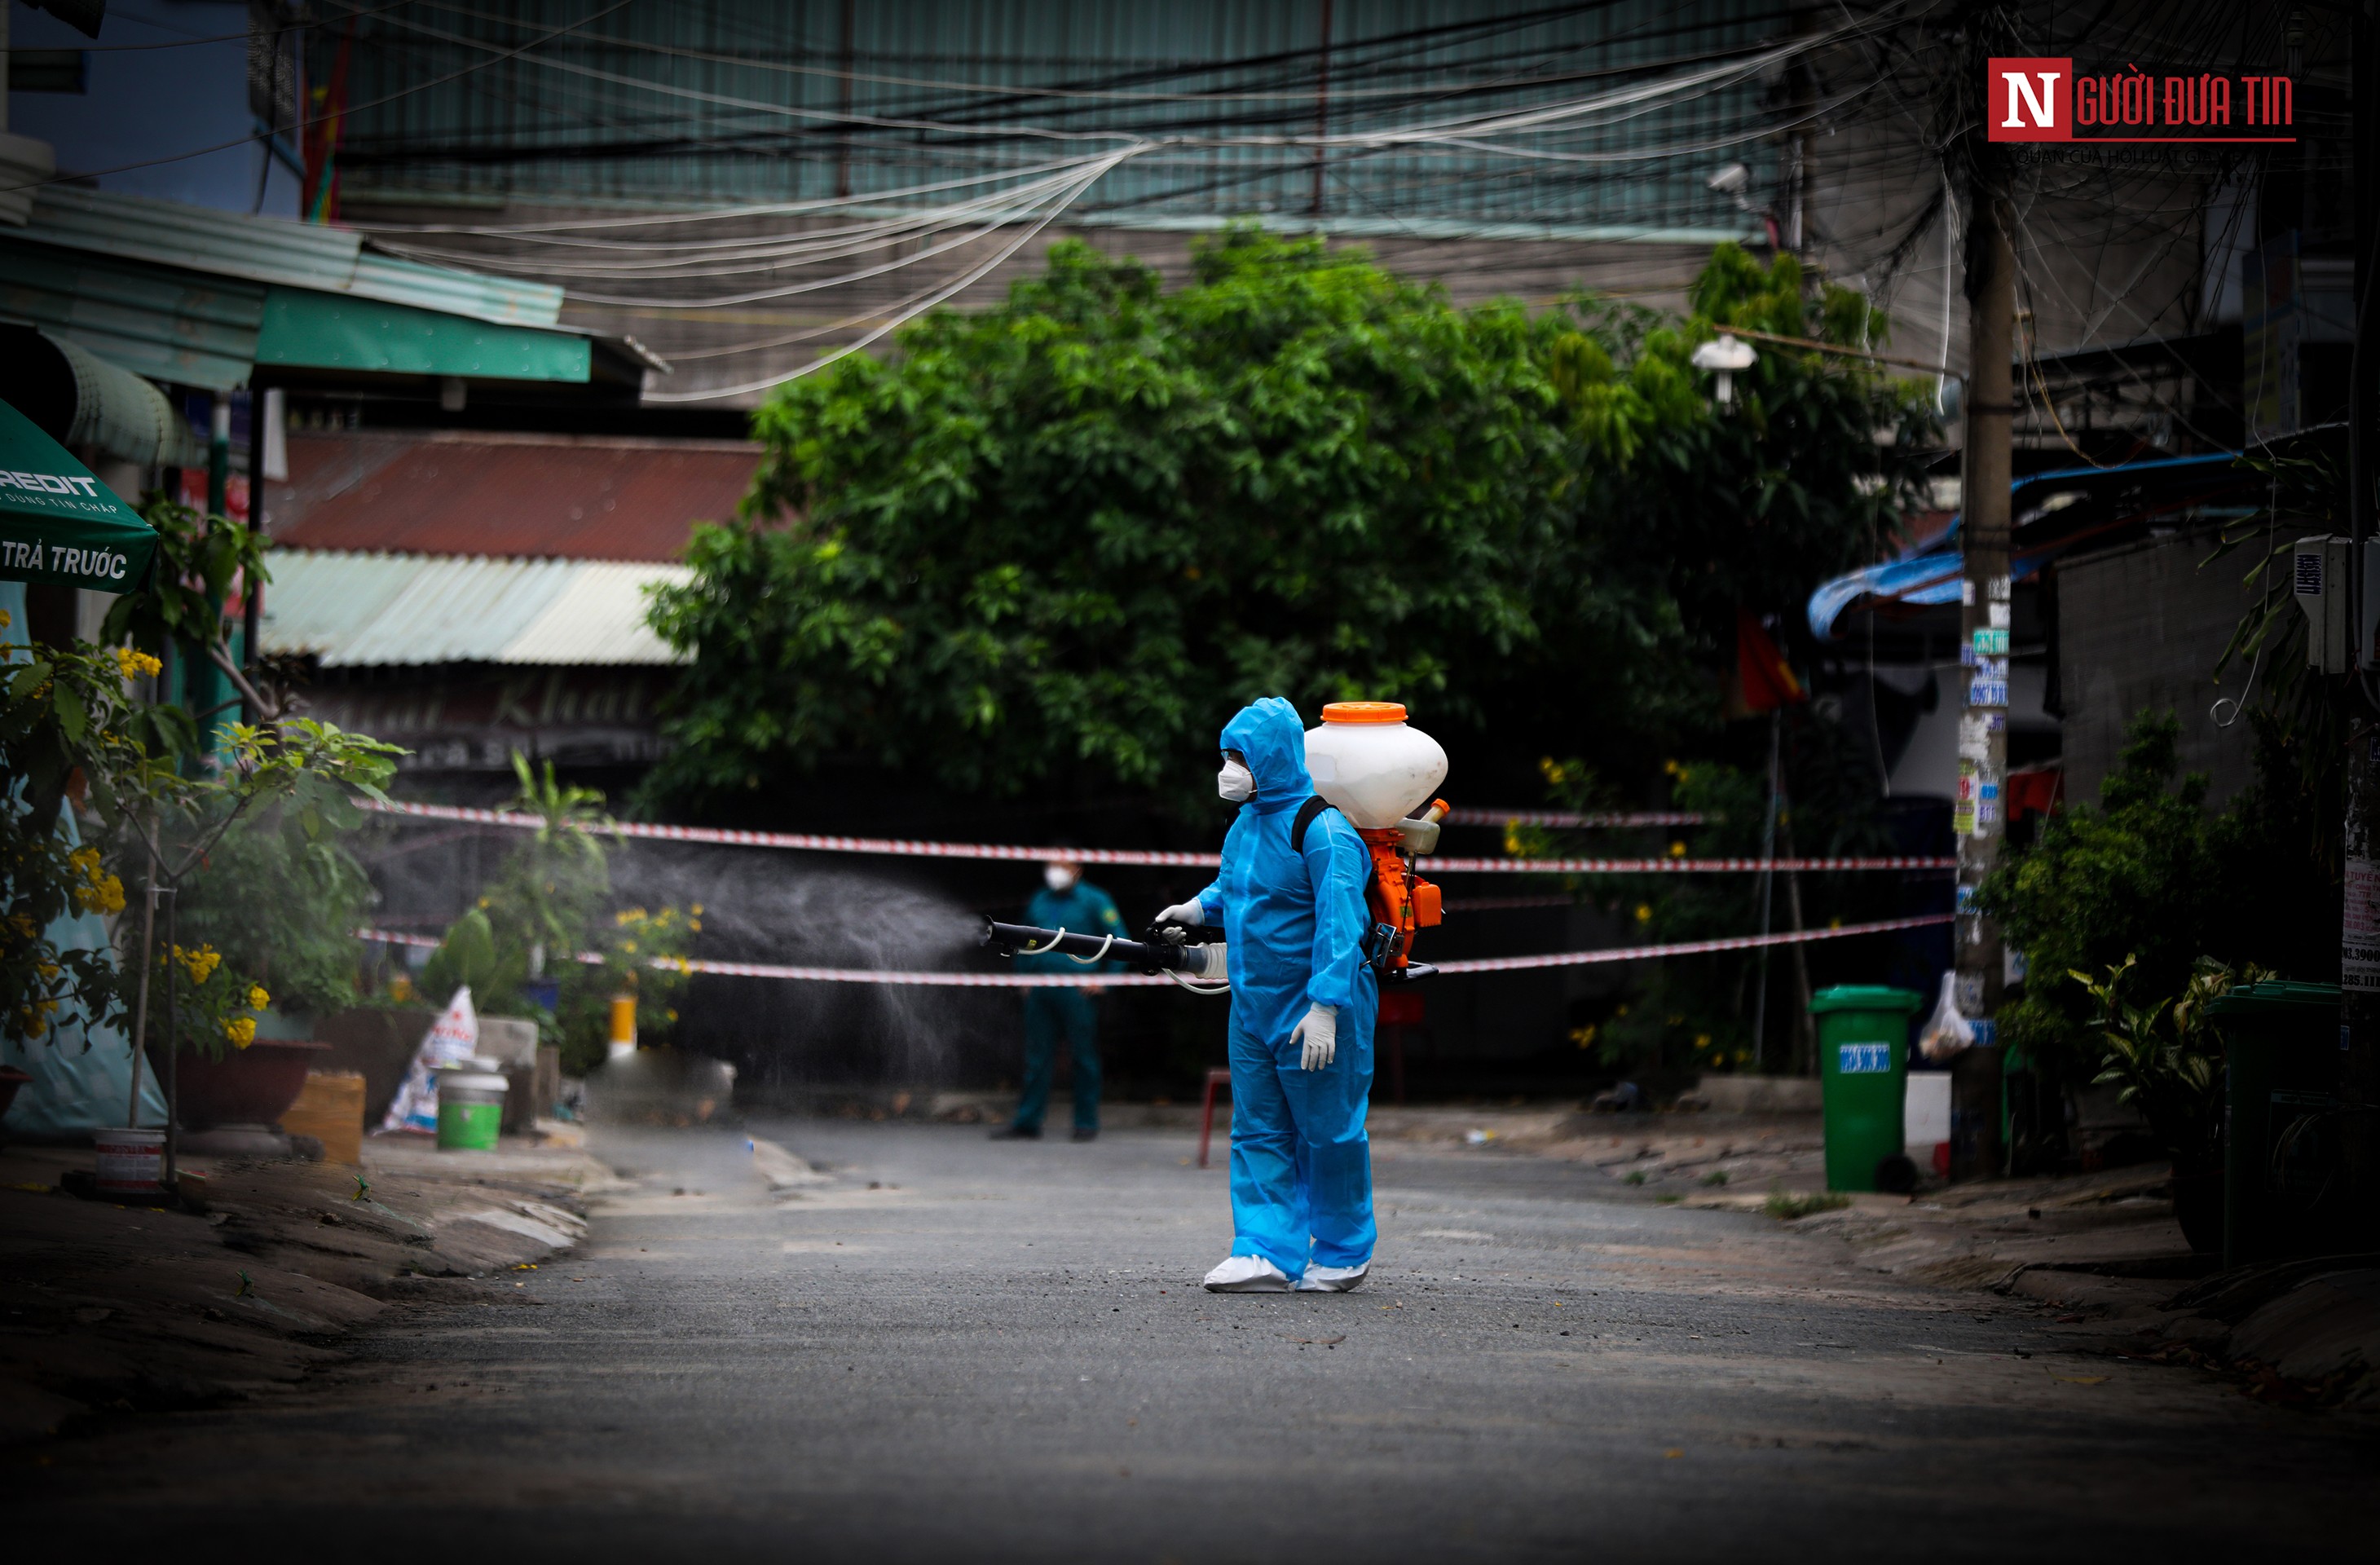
point(812, 842)
point(912, 848)
point(1567, 817)
point(1133, 980)
point(1435, 865)
point(1687, 948)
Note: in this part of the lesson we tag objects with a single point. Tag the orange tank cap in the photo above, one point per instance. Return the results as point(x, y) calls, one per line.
point(1364, 711)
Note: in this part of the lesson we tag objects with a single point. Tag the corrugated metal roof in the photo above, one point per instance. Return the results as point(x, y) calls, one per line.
point(583, 498)
point(162, 322)
point(598, 617)
point(380, 610)
point(263, 250)
point(482, 295)
point(269, 250)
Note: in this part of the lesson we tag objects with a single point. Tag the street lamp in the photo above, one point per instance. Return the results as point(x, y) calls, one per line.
point(1725, 355)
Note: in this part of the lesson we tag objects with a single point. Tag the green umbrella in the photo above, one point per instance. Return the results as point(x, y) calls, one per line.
point(60, 524)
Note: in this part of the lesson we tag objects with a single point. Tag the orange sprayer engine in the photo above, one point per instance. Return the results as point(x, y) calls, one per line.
point(1402, 901)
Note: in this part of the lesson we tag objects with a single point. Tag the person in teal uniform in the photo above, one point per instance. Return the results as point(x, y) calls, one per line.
point(1066, 902)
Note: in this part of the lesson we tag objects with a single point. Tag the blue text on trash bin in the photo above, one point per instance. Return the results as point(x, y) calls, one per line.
point(1864, 1059)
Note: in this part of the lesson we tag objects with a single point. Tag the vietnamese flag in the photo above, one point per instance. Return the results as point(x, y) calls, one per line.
point(1761, 672)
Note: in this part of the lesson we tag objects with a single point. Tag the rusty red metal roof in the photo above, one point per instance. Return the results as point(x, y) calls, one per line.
point(554, 497)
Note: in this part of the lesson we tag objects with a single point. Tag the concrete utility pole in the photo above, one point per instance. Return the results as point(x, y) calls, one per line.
point(1978, 817)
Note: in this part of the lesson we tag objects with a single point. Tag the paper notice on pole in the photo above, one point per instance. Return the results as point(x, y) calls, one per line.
point(2359, 933)
point(454, 1038)
point(1974, 736)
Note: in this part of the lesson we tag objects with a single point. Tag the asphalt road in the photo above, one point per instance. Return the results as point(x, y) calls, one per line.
point(964, 1350)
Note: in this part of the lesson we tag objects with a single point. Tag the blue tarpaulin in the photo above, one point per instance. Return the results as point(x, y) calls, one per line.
point(1928, 575)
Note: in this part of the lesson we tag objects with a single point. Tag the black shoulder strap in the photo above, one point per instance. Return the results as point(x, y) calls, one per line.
point(1314, 806)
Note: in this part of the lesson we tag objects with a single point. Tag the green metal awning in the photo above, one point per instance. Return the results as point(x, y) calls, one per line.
point(304, 329)
point(60, 524)
point(187, 295)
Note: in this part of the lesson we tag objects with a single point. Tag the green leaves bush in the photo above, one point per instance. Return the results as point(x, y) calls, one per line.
point(2152, 885)
point(1063, 539)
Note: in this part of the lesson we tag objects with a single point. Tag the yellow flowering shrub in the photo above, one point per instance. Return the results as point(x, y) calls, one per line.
point(97, 890)
point(135, 665)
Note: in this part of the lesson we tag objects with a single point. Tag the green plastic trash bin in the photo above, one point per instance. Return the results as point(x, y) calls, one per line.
point(1863, 1072)
point(470, 1108)
point(2282, 1064)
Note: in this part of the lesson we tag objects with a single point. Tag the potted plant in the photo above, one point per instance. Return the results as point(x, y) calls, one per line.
point(2168, 1062)
point(227, 1076)
point(275, 904)
point(540, 942)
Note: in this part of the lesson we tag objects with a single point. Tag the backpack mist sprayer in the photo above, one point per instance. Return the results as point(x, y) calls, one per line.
point(1367, 763)
point(1380, 772)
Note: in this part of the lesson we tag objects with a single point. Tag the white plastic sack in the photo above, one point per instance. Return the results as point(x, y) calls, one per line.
point(452, 1039)
point(1947, 1032)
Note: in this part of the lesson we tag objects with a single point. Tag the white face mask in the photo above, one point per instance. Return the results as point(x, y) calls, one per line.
point(1060, 877)
point(1236, 783)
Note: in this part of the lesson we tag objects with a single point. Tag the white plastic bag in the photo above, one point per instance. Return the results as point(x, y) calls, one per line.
point(1947, 1033)
point(452, 1039)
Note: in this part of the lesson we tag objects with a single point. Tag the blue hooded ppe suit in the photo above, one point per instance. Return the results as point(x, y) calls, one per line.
point(1301, 1159)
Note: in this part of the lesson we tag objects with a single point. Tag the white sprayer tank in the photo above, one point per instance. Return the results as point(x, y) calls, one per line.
point(1368, 763)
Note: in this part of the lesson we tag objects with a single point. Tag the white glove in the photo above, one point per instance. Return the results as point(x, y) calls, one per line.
point(1319, 1032)
point(1188, 912)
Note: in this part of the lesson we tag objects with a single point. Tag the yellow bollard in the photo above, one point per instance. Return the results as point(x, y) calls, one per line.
point(624, 1025)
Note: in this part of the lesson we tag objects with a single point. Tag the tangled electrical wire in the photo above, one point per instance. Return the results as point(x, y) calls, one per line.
point(994, 163)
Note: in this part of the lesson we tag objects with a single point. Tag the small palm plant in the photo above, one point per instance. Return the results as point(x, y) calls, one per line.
point(2165, 1059)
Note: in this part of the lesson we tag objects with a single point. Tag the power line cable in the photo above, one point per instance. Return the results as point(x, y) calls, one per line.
point(715, 392)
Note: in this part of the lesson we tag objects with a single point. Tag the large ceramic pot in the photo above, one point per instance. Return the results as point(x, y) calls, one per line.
point(248, 1087)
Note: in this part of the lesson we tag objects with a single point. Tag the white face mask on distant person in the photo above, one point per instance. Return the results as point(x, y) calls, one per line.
point(1061, 876)
point(1236, 783)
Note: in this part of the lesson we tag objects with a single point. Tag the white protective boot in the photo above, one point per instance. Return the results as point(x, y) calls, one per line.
point(1247, 1274)
point(1333, 1279)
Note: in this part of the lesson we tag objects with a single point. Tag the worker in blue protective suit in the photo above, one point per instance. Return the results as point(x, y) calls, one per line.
point(1066, 902)
point(1303, 1001)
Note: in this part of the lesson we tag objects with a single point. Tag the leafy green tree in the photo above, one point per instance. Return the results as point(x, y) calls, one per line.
point(1065, 538)
point(1705, 512)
